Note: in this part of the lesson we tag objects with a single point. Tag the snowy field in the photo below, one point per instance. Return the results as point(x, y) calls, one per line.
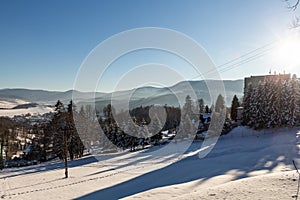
point(6, 106)
point(33, 111)
point(10, 103)
point(245, 164)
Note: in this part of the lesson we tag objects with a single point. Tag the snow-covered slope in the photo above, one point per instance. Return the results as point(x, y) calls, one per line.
point(245, 164)
point(6, 103)
point(12, 107)
point(280, 185)
point(33, 111)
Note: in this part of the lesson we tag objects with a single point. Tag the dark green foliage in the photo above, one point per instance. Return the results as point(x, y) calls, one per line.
point(234, 105)
point(62, 128)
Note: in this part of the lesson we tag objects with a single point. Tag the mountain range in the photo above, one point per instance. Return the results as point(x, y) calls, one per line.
point(147, 95)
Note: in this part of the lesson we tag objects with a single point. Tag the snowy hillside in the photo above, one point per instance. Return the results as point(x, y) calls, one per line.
point(244, 164)
point(12, 107)
point(6, 103)
point(32, 111)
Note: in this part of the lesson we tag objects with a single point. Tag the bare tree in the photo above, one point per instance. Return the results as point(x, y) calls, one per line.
point(292, 4)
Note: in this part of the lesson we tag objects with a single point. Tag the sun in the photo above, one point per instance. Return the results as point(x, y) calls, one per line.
point(288, 52)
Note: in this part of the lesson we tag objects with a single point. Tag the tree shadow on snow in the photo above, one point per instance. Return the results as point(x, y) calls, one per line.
point(243, 156)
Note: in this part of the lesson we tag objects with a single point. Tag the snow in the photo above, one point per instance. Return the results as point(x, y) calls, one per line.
point(244, 164)
point(10, 103)
point(281, 185)
point(33, 111)
point(6, 106)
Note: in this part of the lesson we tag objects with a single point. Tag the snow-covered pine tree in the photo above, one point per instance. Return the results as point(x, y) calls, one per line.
point(293, 110)
point(143, 134)
point(130, 137)
point(188, 127)
point(201, 105)
point(253, 108)
point(283, 102)
point(259, 107)
point(246, 105)
point(220, 104)
point(274, 111)
point(155, 129)
point(268, 102)
point(188, 106)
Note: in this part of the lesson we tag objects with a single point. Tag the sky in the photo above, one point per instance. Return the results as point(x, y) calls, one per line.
point(44, 43)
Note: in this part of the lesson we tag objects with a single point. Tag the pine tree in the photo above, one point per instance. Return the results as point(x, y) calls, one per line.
point(58, 124)
point(188, 127)
point(246, 105)
point(272, 104)
point(207, 110)
point(293, 111)
point(5, 136)
point(131, 135)
point(283, 89)
point(220, 104)
point(143, 134)
point(59, 107)
point(259, 109)
point(272, 111)
point(234, 105)
point(269, 88)
point(188, 106)
point(201, 105)
point(155, 129)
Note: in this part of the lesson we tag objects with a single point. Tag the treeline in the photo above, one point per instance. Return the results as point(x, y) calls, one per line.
point(7, 138)
point(140, 128)
point(71, 130)
point(272, 104)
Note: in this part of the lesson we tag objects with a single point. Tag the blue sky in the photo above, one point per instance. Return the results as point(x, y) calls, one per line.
point(43, 43)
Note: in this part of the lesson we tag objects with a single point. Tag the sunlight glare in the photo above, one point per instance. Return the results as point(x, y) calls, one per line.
point(288, 52)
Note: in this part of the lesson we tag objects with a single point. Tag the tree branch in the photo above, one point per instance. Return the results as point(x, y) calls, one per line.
point(292, 6)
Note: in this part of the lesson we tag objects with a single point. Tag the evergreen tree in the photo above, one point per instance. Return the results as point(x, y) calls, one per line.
point(109, 111)
point(155, 129)
point(234, 105)
point(58, 124)
point(282, 100)
point(143, 134)
point(131, 134)
point(59, 107)
point(273, 112)
point(75, 144)
point(293, 111)
point(259, 108)
point(272, 104)
point(201, 105)
point(207, 110)
point(247, 105)
point(188, 127)
point(220, 104)
point(5, 136)
point(187, 108)
point(268, 102)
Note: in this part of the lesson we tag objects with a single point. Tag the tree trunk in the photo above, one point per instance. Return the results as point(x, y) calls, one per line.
point(1, 149)
point(1, 156)
point(66, 154)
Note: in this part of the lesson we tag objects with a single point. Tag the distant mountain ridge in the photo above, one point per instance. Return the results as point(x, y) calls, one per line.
point(142, 96)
